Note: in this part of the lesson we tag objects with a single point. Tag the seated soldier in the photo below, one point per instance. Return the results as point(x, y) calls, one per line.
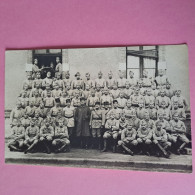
point(28, 82)
point(70, 91)
point(178, 132)
point(169, 91)
point(88, 81)
point(121, 80)
point(152, 111)
point(160, 139)
point(31, 136)
point(92, 99)
point(166, 111)
point(136, 98)
point(128, 138)
point(180, 111)
point(36, 98)
point(144, 136)
point(17, 112)
point(147, 82)
point(37, 81)
point(44, 92)
point(128, 110)
point(115, 92)
point(149, 98)
point(132, 81)
point(17, 137)
point(86, 93)
point(150, 123)
point(141, 110)
point(30, 110)
point(162, 98)
point(135, 120)
point(97, 122)
point(122, 123)
point(46, 135)
point(58, 81)
point(61, 139)
point(78, 89)
point(23, 99)
point(112, 129)
point(100, 81)
point(142, 90)
point(110, 81)
point(76, 99)
point(106, 97)
point(54, 110)
point(121, 100)
point(56, 92)
point(67, 81)
point(77, 82)
point(63, 99)
point(42, 111)
point(38, 119)
point(127, 91)
point(155, 91)
point(98, 92)
point(48, 80)
point(49, 102)
point(161, 79)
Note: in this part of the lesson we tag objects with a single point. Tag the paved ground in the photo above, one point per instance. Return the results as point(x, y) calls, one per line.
point(94, 158)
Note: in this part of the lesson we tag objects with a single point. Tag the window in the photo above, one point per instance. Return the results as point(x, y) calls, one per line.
point(142, 58)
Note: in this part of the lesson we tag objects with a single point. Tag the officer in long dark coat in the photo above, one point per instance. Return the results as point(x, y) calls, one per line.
point(82, 119)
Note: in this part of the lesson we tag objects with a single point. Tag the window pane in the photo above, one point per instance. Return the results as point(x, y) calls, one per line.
point(149, 63)
point(55, 50)
point(40, 51)
point(132, 62)
point(135, 71)
point(134, 48)
point(151, 72)
point(149, 47)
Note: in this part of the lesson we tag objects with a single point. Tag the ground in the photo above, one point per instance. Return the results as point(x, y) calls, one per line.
point(96, 159)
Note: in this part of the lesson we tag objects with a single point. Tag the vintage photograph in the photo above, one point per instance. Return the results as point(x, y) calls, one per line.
point(113, 107)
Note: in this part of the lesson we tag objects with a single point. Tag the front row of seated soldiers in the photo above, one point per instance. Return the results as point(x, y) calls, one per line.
point(131, 129)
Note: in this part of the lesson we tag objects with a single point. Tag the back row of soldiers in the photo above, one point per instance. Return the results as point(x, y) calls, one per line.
point(133, 114)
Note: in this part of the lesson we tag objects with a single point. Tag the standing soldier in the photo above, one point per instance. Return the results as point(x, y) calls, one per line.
point(58, 66)
point(56, 93)
point(28, 82)
point(61, 139)
point(132, 81)
point(100, 81)
point(49, 102)
point(76, 100)
point(128, 138)
point(106, 97)
point(121, 100)
point(78, 81)
point(161, 79)
point(88, 81)
point(112, 129)
point(86, 93)
point(127, 111)
point(98, 92)
point(67, 81)
point(69, 113)
point(97, 122)
point(127, 91)
point(58, 81)
point(82, 119)
point(169, 90)
point(35, 68)
point(147, 82)
point(91, 100)
point(46, 135)
point(17, 137)
point(63, 99)
point(110, 82)
point(121, 81)
point(37, 80)
point(56, 108)
point(31, 136)
point(48, 80)
point(115, 92)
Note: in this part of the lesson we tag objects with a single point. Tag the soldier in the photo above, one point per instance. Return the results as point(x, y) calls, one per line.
point(181, 100)
point(100, 81)
point(63, 99)
point(56, 108)
point(98, 92)
point(165, 124)
point(144, 136)
point(110, 81)
point(77, 82)
point(160, 139)
point(28, 82)
point(67, 81)
point(127, 111)
point(38, 119)
point(121, 81)
point(121, 100)
point(116, 110)
point(17, 112)
point(58, 66)
point(37, 80)
point(36, 99)
point(44, 92)
point(91, 100)
point(147, 82)
point(148, 98)
point(136, 98)
point(115, 92)
point(166, 111)
point(135, 121)
point(30, 110)
point(178, 130)
point(97, 122)
point(86, 93)
point(161, 79)
point(48, 80)
point(17, 137)
point(25, 121)
point(82, 119)
point(88, 81)
point(58, 81)
point(42, 111)
point(69, 113)
point(106, 110)
point(128, 138)
point(24, 100)
point(61, 139)
point(142, 90)
point(70, 92)
point(112, 128)
point(31, 136)
point(46, 135)
point(141, 110)
point(38, 88)
point(161, 98)
point(76, 100)
point(127, 91)
point(149, 122)
point(169, 91)
point(154, 91)
point(106, 97)
point(152, 111)
point(122, 123)
point(180, 111)
point(35, 68)
point(56, 93)
point(132, 81)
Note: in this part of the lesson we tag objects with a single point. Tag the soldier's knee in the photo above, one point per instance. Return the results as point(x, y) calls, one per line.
point(67, 142)
point(155, 141)
point(41, 138)
point(54, 143)
point(148, 141)
point(120, 142)
point(115, 136)
point(169, 144)
point(106, 136)
point(134, 142)
point(139, 140)
point(36, 141)
point(49, 138)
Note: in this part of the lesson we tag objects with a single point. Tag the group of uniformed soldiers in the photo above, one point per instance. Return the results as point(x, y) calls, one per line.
point(133, 116)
